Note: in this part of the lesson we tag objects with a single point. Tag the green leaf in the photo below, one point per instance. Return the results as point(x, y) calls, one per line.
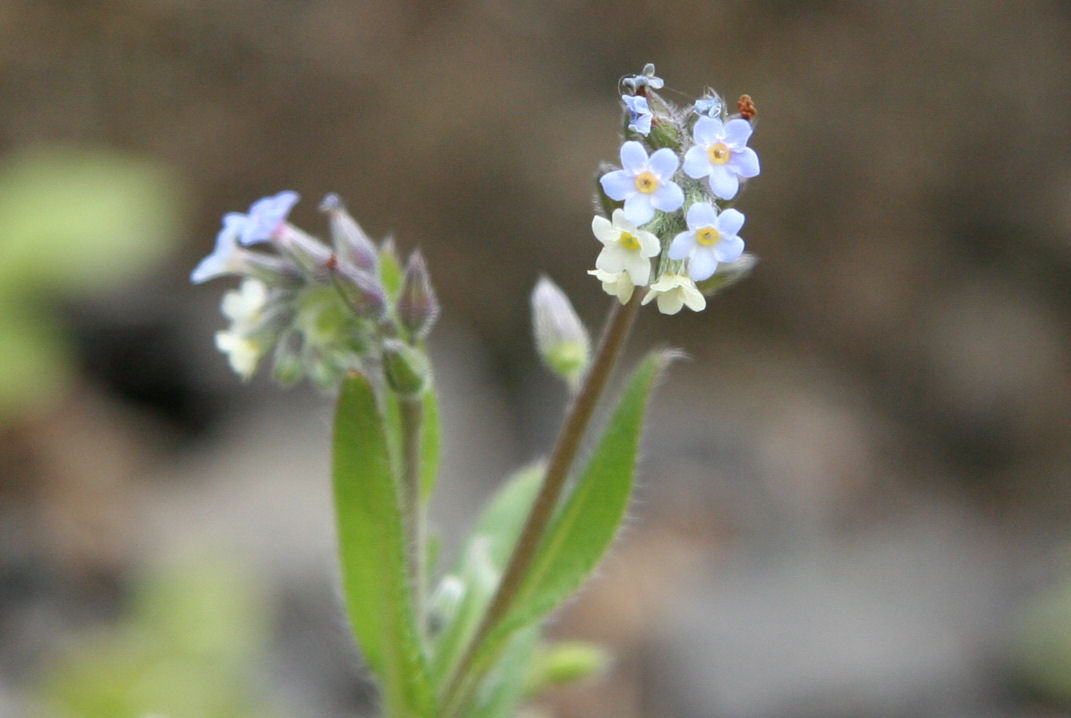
point(507, 684)
point(372, 547)
point(584, 526)
point(480, 565)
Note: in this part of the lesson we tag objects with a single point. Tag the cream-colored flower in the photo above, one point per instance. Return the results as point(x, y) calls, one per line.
point(674, 291)
point(616, 284)
point(626, 248)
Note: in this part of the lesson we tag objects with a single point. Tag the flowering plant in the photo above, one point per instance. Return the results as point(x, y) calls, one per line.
point(349, 315)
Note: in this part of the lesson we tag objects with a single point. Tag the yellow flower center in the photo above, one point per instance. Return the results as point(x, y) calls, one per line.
point(630, 241)
point(707, 236)
point(718, 153)
point(646, 182)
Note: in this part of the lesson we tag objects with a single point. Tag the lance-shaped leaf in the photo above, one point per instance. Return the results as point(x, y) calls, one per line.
point(372, 548)
point(583, 527)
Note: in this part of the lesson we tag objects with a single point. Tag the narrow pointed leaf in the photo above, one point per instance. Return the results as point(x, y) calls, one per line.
point(371, 544)
point(584, 526)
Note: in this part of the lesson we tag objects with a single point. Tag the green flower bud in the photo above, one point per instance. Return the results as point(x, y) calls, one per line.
point(560, 336)
point(417, 306)
point(566, 662)
point(405, 367)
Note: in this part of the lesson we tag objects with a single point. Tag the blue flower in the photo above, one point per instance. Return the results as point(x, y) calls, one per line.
point(227, 257)
point(639, 114)
point(711, 238)
point(721, 154)
point(645, 183)
point(266, 216)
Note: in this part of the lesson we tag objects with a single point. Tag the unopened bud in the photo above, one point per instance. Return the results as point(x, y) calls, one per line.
point(417, 306)
point(309, 254)
point(560, 336)
point(728, 274)
point(361, 290)
point(350, 241)
point(390, 268)
point(567, 662)
point(405, 367)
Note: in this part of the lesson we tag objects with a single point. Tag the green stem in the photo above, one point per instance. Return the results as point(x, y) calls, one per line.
point(614, 336)
point(414, 508)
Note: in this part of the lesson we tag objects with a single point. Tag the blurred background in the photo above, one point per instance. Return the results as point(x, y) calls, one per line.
point(854, 496)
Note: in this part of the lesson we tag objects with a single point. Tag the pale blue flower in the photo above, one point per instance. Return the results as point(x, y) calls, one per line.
point(644, 183)
point(711, 238)
point(646, 78)
point(266, 216)
point(708, 106)
point(639, 113)
point(227, 257)
point(721, 154)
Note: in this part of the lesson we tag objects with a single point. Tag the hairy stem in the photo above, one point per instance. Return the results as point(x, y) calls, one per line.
point(574, 426)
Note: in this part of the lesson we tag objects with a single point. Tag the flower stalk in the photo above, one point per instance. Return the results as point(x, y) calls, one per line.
point(615, 333)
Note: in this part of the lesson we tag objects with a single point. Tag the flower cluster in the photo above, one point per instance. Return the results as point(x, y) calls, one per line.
point(319, 310)
point(669, 203)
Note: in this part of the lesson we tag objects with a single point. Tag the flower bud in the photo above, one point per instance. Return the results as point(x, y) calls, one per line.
point(567, 662)
point(361, 290)
point(417, 306)
point(560, 336)
point(350, 241)
point(405, 367)
point(309, 254)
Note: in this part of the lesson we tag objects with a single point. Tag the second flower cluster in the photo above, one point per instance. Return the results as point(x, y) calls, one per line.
point(669, 201)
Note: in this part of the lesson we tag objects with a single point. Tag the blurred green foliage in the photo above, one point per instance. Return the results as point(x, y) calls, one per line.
point(184, 649)
point(73, 221)
point(1043, 645)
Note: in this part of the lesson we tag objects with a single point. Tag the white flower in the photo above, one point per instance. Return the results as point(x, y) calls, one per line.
point(243, 342)
point(674, 291)
point(616, 284)
point(644, 183)
point(721, 154)
point(626, 248)
point(242, 352)
point(245, 306)
point(711, 238)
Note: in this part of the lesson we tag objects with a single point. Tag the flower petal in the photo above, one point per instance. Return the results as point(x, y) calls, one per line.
point(702, 264)
point(728, 249)
point(737, 132)
point(638, 209)
point(682, 245)
point(707, 131)
point(729, 222)
point(745, 161)
point(668, 198)
point(696, 162)
point(702, 214)
point(603, 230)
point(617, 184)
point(664, 163)
point(723, 182)
point(633, 157)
